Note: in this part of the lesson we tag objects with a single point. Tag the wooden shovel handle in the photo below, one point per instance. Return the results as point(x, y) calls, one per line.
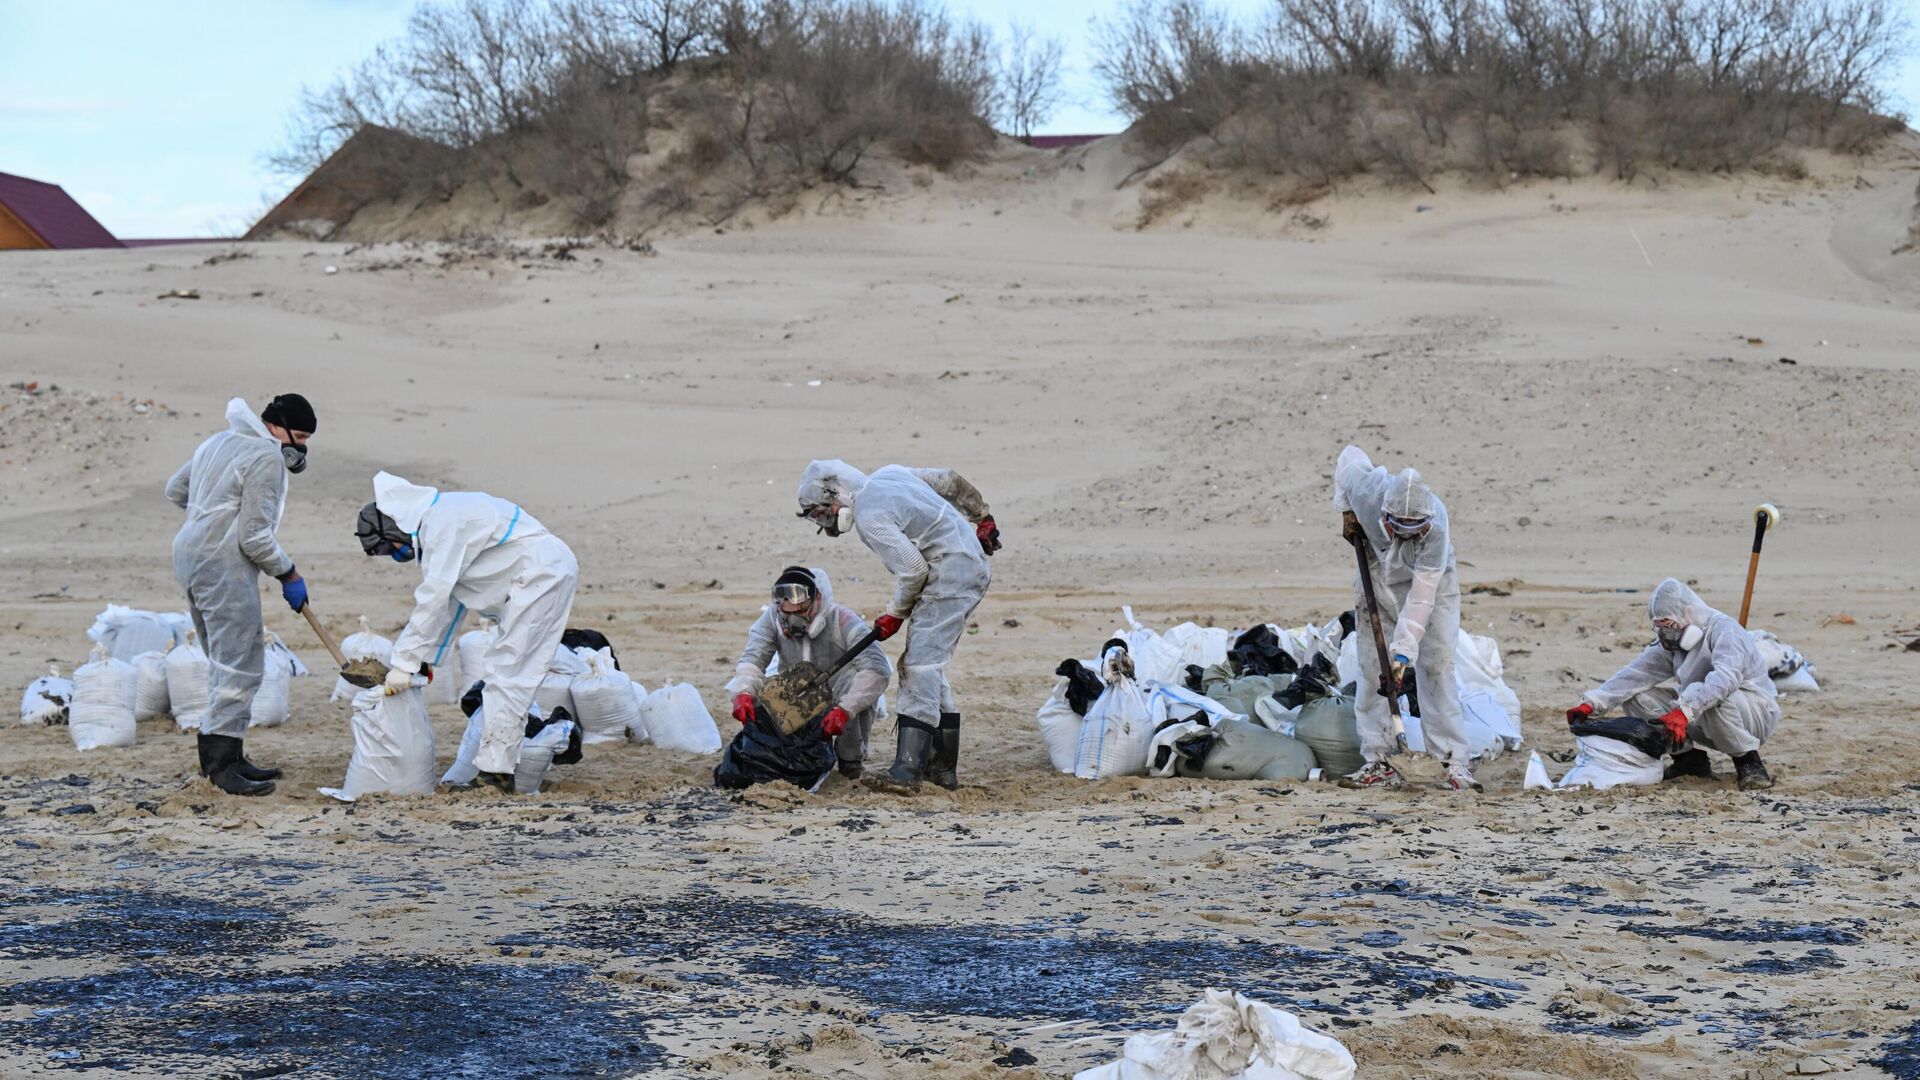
point(325, 638)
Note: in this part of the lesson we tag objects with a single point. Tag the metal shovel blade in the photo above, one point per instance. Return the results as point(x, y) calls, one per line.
point(365, 674)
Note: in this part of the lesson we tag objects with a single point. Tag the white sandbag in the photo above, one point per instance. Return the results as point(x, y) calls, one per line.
point(1059, 727)
point(270, 701)
point(1536, 777)
point(603, 700)
point(677, 719)
point(104, 690)
point(1790, 671)
point(1228, 1036)
point(568, 661)
point(362, 644)
point(392, 746)
point(1603, 763)
point(1301, 642)
point(536, 756)
point(473, 651)
point(44, 702)
point(637, 729)
point(449, 680)
point(187, 675)
point(1202, 645)
point(128, 632)
point(1484, 692)
point(278, 653)
point(1155, 659)
point(150, 686)
point(1163, 761)
point(1114, 738)
point(555, 692)
point(1166, 702)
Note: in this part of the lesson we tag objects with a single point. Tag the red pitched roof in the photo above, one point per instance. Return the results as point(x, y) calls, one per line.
point(50, 212)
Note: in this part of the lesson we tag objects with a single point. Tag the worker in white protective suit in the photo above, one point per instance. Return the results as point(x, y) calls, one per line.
point(804, 625)
point(1402, 526)
point(234, 490)
point(1705, 681)
point(933, 532)
point(476, 553)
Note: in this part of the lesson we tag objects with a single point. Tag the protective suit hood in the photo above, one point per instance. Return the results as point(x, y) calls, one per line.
point(242, 420)
point(830, 480)
point(405, 503)
point(1408, 496)
point(1673, 600)
point(822, 602)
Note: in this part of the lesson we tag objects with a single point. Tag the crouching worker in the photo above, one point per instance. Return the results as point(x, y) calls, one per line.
point(1720, 696)
point(482, 554)
point(549, 741)
point(803, 624)
point(932, 531)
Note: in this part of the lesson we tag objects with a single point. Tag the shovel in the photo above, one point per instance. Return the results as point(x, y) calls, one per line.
point(1765, 516)
point(1387, 689)
point(800, 693)
point(365, 674)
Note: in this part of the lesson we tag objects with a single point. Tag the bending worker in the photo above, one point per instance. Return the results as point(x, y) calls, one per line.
point(803, 624)
point(932, 531)
point(1402, 526)
point(234, 490)
point(482, 554)
point(1721, 696)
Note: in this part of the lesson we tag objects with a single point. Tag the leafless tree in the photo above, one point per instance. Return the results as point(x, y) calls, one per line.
point(1029, 80)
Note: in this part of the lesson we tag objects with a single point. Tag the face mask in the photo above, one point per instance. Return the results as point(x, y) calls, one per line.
point(794, 624)
point(1691, 638)
point(1679, 639)
point(843, 521)
point(295, 457)
point(381, 535)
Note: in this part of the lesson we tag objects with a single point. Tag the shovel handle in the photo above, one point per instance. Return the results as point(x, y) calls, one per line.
point(1387, 689)
point(846, 658)
point(325, 638)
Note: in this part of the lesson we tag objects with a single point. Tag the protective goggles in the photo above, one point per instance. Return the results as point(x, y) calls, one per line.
point(792, 594)
point(1406, 527)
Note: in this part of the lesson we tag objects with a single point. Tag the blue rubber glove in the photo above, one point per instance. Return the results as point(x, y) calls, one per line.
point(1399, 672)
point(294, 590)
point(402, 554)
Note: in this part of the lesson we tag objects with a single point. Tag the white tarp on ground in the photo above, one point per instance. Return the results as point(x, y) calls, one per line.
point(1228, 1036)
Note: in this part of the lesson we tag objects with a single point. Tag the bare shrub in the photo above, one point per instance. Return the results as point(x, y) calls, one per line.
point(1028, 78)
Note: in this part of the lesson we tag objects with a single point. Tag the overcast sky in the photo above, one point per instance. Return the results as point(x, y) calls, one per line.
point(155, 116)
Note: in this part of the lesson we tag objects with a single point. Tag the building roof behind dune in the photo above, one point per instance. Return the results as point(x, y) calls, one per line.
point(50, 216)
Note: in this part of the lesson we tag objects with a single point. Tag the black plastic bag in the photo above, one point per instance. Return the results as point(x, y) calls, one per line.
point(761, 755)
point(589, 639)
point(1194, 674)
point(1083, 686)
point(1310, 683)
point(470, 704)
point(1650, 737)
point(1258, 652)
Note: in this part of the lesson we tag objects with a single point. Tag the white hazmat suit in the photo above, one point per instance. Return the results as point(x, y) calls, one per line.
point(1721, 683)
point(479, 553)
point(918, 522)
point(1418, 590)
point(857, 688)
point(234, 490)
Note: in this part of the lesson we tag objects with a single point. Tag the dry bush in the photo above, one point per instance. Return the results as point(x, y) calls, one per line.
point(1170, 192)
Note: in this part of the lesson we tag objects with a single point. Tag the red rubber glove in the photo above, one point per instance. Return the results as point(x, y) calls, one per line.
point(427, 670)
point(1579, 712)
point(1676, 724)
point(888, 625)
point(743, 708)
point(834, 722)
point(989, 534)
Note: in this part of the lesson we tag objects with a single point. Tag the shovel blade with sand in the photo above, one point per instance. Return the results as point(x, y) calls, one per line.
point(365, 673)
point(799, 694)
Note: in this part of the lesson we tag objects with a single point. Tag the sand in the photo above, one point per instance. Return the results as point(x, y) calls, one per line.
point(1601, 382)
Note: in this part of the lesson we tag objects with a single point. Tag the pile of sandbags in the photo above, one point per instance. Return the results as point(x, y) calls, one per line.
point(105, 690)
point(556, 690)
point(44, 703)
point(363, 644)
point(128, 632)
point(187, 683)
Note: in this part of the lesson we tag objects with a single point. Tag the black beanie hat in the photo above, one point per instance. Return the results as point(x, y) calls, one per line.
point(798, 575)
point(292, 412)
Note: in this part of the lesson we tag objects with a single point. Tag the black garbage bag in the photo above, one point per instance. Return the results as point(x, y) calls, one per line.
point(1083, 686)
point(1310, 683)
point(470, 704)
point(1258, 652)
point(1195, 673)
point(589, 639)
point(1650, 737)
point(1347, 622)
point(759, 754)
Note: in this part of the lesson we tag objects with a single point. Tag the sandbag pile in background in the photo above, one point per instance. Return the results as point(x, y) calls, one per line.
point(105, 690)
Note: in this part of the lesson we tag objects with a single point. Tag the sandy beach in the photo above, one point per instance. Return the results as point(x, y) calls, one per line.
point(1601, 381)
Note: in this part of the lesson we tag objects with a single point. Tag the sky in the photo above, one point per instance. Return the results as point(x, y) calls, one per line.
point(157, 116)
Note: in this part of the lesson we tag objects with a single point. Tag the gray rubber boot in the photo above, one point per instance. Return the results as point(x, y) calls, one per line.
point(915, 748)
point(944, 769)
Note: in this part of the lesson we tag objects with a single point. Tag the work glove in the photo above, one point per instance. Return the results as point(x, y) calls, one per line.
point(1579, 712)
point(1350, 529)
point(398, 681)
point(743, 708)
point(293, 588)
point(989, 534)
point(1401, 665)
point(1676, 724)
point(834, 722)
point(888, 625)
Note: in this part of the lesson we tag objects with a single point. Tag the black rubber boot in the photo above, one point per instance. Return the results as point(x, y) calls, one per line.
point(944, 769)
point(1691, 763)
point(1752, 772)
point(255, 772)
point(851, 768)
point(220, 761)
point(915, 749)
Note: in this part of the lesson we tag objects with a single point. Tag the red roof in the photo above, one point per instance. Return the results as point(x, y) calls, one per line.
point(50, 212)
